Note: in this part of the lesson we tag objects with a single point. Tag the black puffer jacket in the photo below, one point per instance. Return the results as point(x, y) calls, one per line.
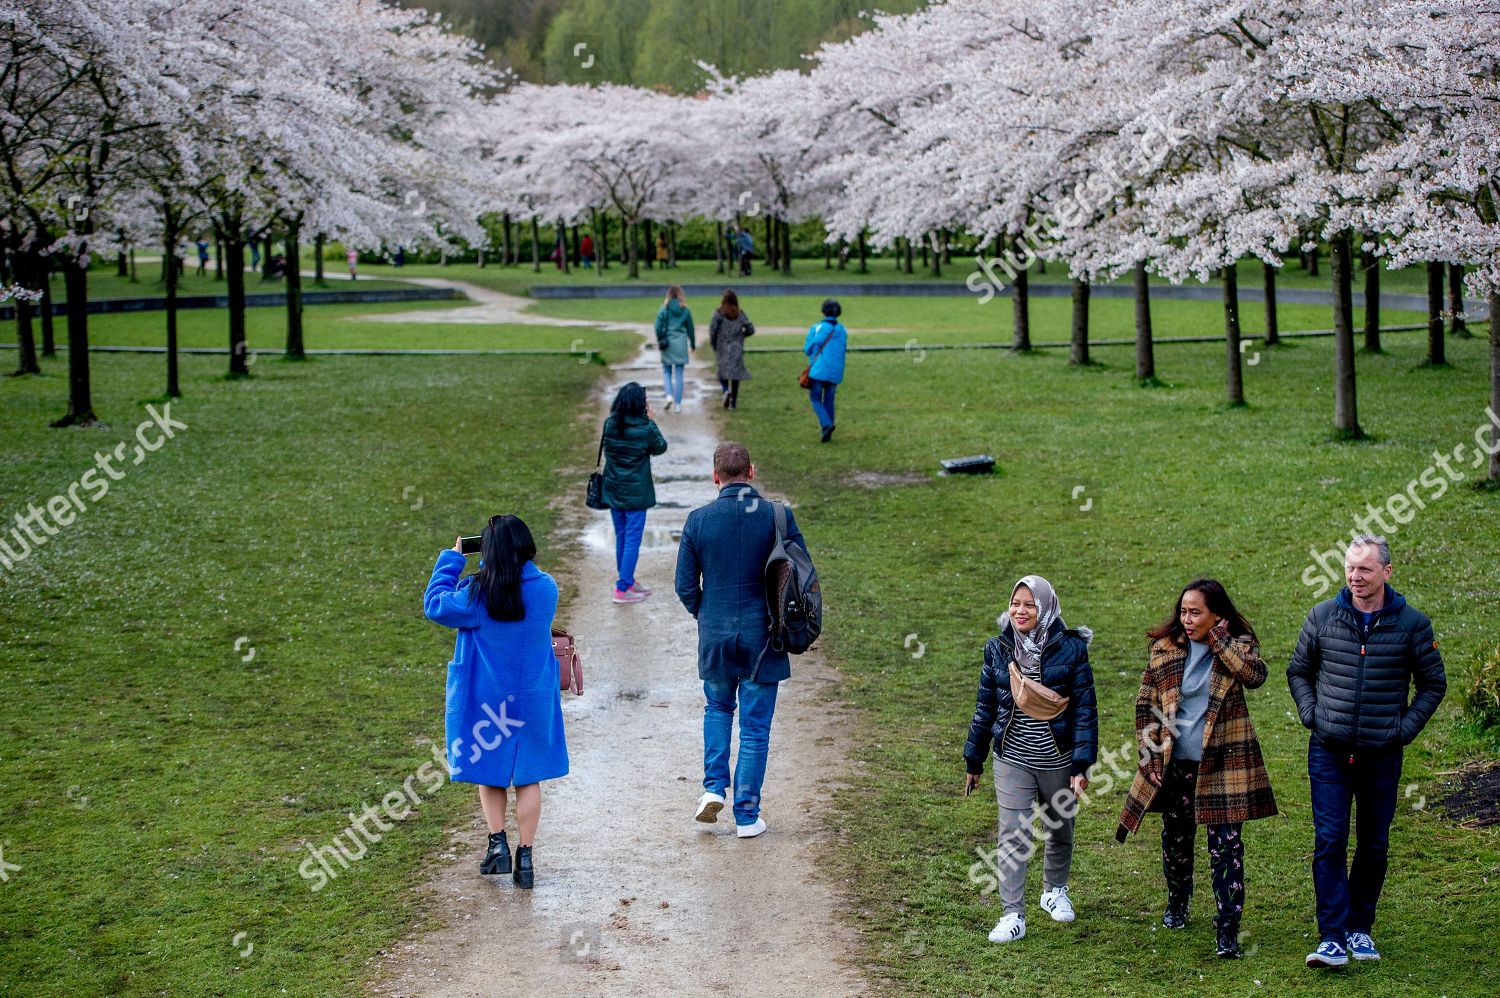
point(1065, 670)
point(1351, 687)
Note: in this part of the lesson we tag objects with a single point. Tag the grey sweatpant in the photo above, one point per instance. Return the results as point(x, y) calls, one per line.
point(1017, 789)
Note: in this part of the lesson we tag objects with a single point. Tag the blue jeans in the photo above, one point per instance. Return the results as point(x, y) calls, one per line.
point(1346, 897)
point(629, 525)
point(757, 704)
point(822, 400)
point(671, 376)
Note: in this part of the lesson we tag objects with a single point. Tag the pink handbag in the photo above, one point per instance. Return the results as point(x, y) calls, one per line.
point(569, 666)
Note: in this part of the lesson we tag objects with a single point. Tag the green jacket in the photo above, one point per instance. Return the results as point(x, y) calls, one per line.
point(629, 443)
point(674, 332)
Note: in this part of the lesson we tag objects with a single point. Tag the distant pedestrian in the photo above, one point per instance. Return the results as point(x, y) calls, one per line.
point(676, 340)
point(663, 251)
point(720, 579)
point(353, 257)
point(399, 258)
point(746, 246)
point(254, 254)
point(1355, 663)
point(1200, 762)
point(825, 345)
point(202, 245)
point(631, 438)
point(586, 251)
point(504, 724)
point(727, 332)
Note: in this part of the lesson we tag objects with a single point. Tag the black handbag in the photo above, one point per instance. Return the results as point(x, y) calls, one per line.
point(595, 497)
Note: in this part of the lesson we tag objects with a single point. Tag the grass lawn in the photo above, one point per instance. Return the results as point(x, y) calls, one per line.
point(159, 783)
point(104, 283)
point(1179, 486)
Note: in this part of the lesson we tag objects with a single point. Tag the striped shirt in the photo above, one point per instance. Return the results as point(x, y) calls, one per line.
point(1029, 743)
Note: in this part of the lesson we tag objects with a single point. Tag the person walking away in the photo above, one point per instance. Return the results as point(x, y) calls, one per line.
point(1200, 762)
point(1037, 715)
point(353, 257)
point(825, 345)
point(503, 724)
point(747, 251)
point(1358, 656)
point(720, 580)
point(202, 245)
point(675, 338)
point(629, 441)
point(586, 251)
point(727, 332)
point(662, 250)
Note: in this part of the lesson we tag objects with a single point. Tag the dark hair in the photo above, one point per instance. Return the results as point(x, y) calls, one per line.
point(629, 401)
point(1219, 604)
point(832, 308)
point(731, 461)
point(504, 549)
point(730, 304)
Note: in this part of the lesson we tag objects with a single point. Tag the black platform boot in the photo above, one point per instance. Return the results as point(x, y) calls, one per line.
point(1176, 915)
point(524, 875)
point(497, 856)
point(1229, 943)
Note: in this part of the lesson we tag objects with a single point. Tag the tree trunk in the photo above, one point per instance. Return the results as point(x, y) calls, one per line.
point(1079, 354)
point(49, 339)
point(169, 238)
point(924, 254)
point(648, 243)
point(602, 250)
point(947, 247)
point(1371, 264)
point(536, 246)
point(318, 242)
point(577, 251)
point(1273, 328)
point(786, 249)
point(1436, 351)
point(560, 246)
point(632, 251)
point(1345, 397)
point(132, 268)
point(218, 258)
point(234, 272)
point(266, 249)
point(1494, 476)
point(1234, 374)
point(1020, 310)
point(1456, 324)
point(1145, 359)
point(841, 254)
point(907, 240)
point(719, 247)
point(672, 245)
point(1312, 261)
point(864, 252)
point(75, 270)
point(937, 257)
point(25, 340)
point(122, 265)
point(294, 350)
point(771, 247)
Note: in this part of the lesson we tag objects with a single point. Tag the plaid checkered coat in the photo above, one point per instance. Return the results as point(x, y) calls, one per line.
point(1232, 781)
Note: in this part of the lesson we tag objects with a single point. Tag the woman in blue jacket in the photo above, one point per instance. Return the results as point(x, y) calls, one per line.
point(824, 346)
point(504, 722)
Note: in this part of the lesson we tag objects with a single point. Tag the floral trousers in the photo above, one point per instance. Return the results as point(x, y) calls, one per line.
point(1179, 831)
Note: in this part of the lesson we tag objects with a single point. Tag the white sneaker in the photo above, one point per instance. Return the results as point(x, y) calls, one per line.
point(1008, 929)
point(752, 830)
point(1055, 903)
point(709, 806)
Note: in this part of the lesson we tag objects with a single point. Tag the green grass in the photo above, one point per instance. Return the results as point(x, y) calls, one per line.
point(157, 789)
point(1180, 485)
point(104, 283)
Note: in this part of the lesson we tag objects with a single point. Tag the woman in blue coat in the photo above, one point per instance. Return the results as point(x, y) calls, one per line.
point(504, 722)
point(824, 347)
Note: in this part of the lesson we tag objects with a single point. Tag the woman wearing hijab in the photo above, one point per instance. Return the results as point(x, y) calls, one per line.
point(1036, 714)
point(1200, 762)
point(727, 331)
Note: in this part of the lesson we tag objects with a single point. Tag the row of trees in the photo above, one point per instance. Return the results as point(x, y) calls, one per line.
point(128, 122)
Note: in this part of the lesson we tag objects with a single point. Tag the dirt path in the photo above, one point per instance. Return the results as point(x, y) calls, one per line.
point(633, 897)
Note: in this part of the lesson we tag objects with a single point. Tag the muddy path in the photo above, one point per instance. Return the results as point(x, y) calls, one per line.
point(633, 897)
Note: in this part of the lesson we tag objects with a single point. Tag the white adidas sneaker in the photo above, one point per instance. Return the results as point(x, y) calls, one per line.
point(1055, 902)
point(709, 806)
point(1008, 929)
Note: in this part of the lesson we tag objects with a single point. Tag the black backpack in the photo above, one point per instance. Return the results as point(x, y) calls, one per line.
point(793, 596)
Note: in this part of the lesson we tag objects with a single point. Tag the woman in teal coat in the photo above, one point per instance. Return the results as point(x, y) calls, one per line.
point(504, 723)
point(631, 438)
point(674, 336)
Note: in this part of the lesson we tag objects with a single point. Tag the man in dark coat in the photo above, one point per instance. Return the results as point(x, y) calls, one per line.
point(720, 579)
point(1350, 674)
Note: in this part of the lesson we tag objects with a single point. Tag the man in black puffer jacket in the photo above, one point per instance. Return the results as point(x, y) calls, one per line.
point(1357, 658)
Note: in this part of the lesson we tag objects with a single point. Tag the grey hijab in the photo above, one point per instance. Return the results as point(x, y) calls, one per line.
point(1029, 646)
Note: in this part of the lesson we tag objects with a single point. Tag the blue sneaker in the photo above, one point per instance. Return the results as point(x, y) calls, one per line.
point(1328, 954)
point(1361, 946)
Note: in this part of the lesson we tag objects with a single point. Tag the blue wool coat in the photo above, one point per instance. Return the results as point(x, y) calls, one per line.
point(830, 363)
point(504, 723)
point(721, 564)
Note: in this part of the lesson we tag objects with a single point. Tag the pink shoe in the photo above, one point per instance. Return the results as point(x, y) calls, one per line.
point(627, 596)
point(636, 587)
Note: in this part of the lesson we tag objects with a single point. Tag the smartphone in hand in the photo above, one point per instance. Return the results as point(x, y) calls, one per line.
point(470, 545)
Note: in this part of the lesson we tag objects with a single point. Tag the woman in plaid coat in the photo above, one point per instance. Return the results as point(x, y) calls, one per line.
point(1200, 763)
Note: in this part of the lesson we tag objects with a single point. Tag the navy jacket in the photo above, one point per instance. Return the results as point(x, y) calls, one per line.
point(1065, 670)
point(720, 579)
point(1351, 686)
